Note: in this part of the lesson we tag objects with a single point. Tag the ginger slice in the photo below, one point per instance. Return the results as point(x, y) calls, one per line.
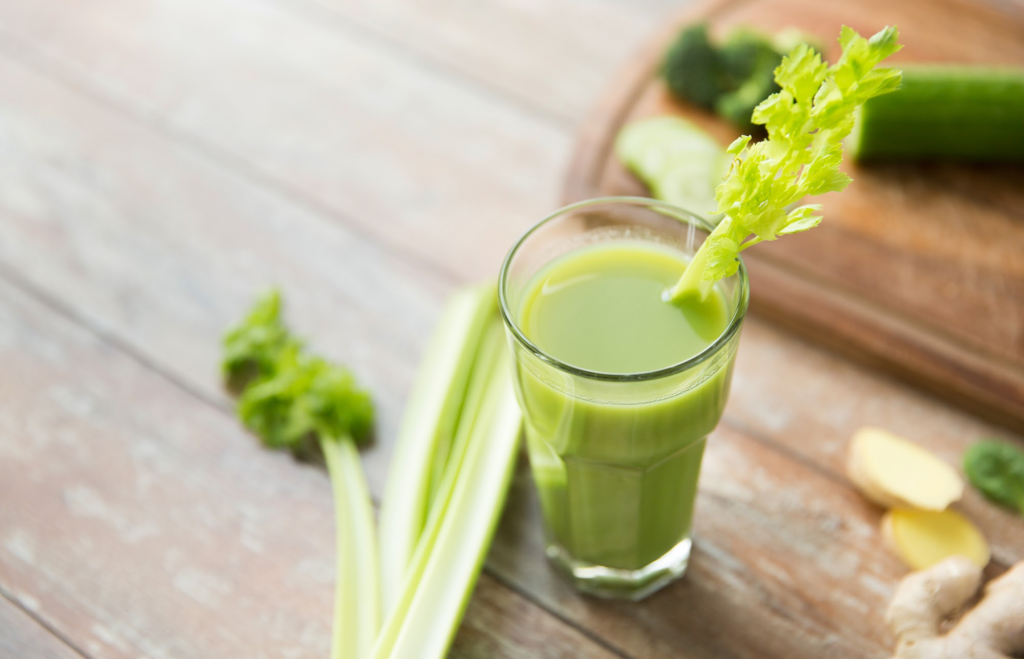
point(896, 473)
point(922, 538)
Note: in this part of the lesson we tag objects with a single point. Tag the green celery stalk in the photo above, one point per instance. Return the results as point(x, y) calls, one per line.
point(428, 429)
point(357, 598)
point(483, 367)
point(452, 548)
point(292, 399)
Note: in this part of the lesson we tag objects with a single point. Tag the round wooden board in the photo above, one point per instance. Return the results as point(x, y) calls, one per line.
point(918, 269)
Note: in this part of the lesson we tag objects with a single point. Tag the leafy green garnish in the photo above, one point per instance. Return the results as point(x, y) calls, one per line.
point(252, 347)
point(290, 396)
point(806, 121)
point(303, 396)
point(996, 469)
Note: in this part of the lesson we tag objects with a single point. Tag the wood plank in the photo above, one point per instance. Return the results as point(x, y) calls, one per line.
point(151, 524)
point(147, 232)
point(916, 268)
point(413, 156)
point(500, 623)
point(21, 637)
point(758, 508)
point(553, 55)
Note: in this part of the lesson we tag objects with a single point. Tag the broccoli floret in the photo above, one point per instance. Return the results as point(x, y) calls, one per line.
point(732, 78)
point(738, 106)
point(750, 58)
point(691, 68)
point(743, 52)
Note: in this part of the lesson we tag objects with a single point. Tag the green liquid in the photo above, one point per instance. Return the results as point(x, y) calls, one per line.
point(617, 480)
point(600, 309)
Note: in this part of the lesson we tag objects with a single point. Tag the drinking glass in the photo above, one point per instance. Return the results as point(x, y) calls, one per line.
point(616, 457)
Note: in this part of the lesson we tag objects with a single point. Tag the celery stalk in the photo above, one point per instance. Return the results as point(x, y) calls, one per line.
point(428, 430)
point(448, 560)
point(357, 590)
point(692, 285)
point(483, 368)
point(291, 399)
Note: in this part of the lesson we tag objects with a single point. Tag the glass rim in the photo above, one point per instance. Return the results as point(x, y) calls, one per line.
point(673, 211)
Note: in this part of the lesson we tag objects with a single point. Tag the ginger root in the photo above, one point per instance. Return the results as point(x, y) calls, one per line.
point(922, 538)
point(896, 473)
point(925, 601)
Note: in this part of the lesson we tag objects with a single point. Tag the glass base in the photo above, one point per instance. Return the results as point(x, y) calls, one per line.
point(615, 583)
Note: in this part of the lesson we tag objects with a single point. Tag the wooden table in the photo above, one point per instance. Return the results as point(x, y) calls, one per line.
point(162, 160)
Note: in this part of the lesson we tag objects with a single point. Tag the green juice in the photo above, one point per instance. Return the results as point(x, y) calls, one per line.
point(617, 475)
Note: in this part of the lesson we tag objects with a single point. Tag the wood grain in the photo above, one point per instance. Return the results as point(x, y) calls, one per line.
point(916, 270)
point(21, 637)
point(505, 44)
point(500, 623)
point(415, 157)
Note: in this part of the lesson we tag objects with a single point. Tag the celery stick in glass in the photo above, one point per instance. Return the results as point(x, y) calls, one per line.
point(806, 122)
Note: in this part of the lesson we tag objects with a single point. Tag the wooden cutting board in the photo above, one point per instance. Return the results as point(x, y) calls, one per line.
point(917, 269)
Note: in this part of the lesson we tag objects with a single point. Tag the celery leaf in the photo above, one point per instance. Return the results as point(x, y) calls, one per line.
point(303, 396)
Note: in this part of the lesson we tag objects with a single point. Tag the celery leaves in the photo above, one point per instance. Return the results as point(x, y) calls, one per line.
point(252, 347)
point(303, 396)
point(806, 122)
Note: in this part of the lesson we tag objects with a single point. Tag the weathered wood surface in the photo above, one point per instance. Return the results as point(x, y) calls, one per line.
point(917, 269)
point(135, 227)
point(21, 637)
point(428, 165)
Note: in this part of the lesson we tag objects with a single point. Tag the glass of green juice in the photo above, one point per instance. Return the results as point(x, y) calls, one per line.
point(618, 387)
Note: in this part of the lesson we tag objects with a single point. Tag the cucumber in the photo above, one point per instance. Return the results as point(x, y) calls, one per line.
point(945, 113)
point(676, 159)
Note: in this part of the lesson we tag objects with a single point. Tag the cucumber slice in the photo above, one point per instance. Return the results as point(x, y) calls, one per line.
point(945, 113)
point(678, 161)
